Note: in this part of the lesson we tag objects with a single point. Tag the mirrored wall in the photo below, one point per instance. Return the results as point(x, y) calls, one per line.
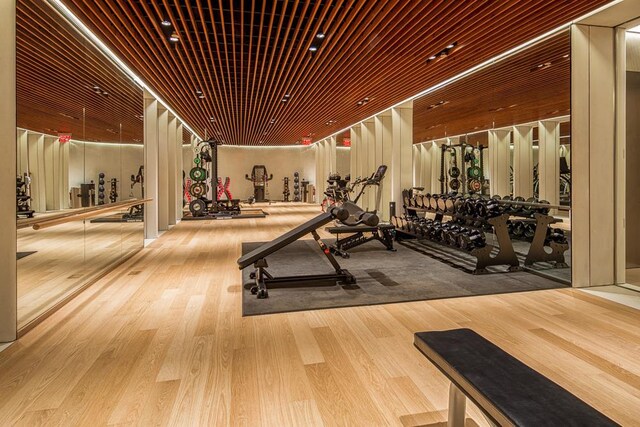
point(504, 132)
point(79, 162)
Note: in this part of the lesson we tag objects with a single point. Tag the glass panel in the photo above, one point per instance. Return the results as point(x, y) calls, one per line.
point(633, 156)
point(78, 117)
point(504, 132)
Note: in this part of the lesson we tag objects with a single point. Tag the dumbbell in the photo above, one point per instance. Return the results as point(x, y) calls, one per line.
point(517, 208)
point(481, 208)
point(433, 202)
point(518, 229)
point(442, 203)
point(368, 218)
point(529, 231)
point(426, 200)
point(543, 211)
point(494, 208)
point(555, 235)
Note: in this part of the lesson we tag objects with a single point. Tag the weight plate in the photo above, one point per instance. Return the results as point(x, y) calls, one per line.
point(454, 172)
point(475, 185)
point(197, 207)
point(454, 184)
point(196, 160)
point(198, 189)
point(198, 174)
point(474, 172)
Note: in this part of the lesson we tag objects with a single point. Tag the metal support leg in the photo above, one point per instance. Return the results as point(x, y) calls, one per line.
point(457, 407)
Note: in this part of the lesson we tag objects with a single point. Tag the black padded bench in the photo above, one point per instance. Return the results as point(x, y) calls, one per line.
point(507, 391)
point(258, 257)
point(382, 232)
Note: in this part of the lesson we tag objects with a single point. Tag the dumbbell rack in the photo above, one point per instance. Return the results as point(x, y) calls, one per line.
point(536, 252)
point(485, 256)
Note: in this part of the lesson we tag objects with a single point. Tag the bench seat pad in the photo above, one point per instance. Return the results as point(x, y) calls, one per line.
point(509, 391)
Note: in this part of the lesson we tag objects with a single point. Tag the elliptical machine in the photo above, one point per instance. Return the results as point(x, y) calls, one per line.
point(259, 177)
point(136, 213)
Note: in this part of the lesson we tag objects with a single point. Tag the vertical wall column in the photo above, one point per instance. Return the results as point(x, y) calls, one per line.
point(320, 171)
point(355, 152)
point(523, 161)
point(499, 161)
point(35, 143)
point(179, 163)
point(331, 158)
point(434, 150)
point(425, 170)
point(163, 169)
point(549, 161)
point(401, 168)
point(383, 124)
point(417, 164)
point(63, 188)
point(593, 175)
point(8, 295)
point(23, 152)
point(151, 165)
point(368, 145)
point(172, 169)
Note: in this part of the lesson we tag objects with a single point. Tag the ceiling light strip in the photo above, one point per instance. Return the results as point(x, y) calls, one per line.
point(86, 32)
point(482, 65)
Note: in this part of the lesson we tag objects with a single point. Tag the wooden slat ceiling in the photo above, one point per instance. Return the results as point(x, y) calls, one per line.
point(246, 55)
point(56, 72)
point(531, 85)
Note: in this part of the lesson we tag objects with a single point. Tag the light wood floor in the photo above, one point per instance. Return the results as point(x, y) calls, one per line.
point(66, 257)
point(162, 341)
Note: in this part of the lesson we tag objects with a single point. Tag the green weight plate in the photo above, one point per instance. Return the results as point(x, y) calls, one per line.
point(196, 160)
point(198, 174)
point(474, 172)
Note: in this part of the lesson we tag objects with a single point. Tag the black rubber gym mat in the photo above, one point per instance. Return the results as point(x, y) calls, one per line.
point(383, 277)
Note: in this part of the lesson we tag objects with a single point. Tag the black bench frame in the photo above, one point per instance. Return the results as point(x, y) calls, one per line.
point(258, 257)
point(384, 233)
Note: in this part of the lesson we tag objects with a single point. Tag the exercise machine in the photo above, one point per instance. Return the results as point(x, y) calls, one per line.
point(23, 196)
point(259, 178)
point(136, 213)
point(258, 258)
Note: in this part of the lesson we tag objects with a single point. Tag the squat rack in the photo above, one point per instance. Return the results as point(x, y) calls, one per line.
point(444, 176)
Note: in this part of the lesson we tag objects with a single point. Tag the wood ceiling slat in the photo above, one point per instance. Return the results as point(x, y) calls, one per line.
point(473, 102)
point(55, 71)
point(246, 54)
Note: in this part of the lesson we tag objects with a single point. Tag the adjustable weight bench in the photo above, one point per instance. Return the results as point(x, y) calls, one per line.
point(257, 257)
point(381, 232)
point(508, 392)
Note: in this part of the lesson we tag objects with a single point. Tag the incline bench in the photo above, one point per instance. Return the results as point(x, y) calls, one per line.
point(258, 256)
point(507, 391)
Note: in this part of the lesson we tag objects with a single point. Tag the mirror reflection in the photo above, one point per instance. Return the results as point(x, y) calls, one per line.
point(79, 162)
point(501, 137)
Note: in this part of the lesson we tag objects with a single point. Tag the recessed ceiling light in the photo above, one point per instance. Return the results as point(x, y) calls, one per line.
point(320, 35)
point(287, 95)
point(313, 48)
point(212, 119)
point(432, 57)
point(565, 56)
point(166, 23)
point(174, 37)
point(201, 96)
point(451, 46)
